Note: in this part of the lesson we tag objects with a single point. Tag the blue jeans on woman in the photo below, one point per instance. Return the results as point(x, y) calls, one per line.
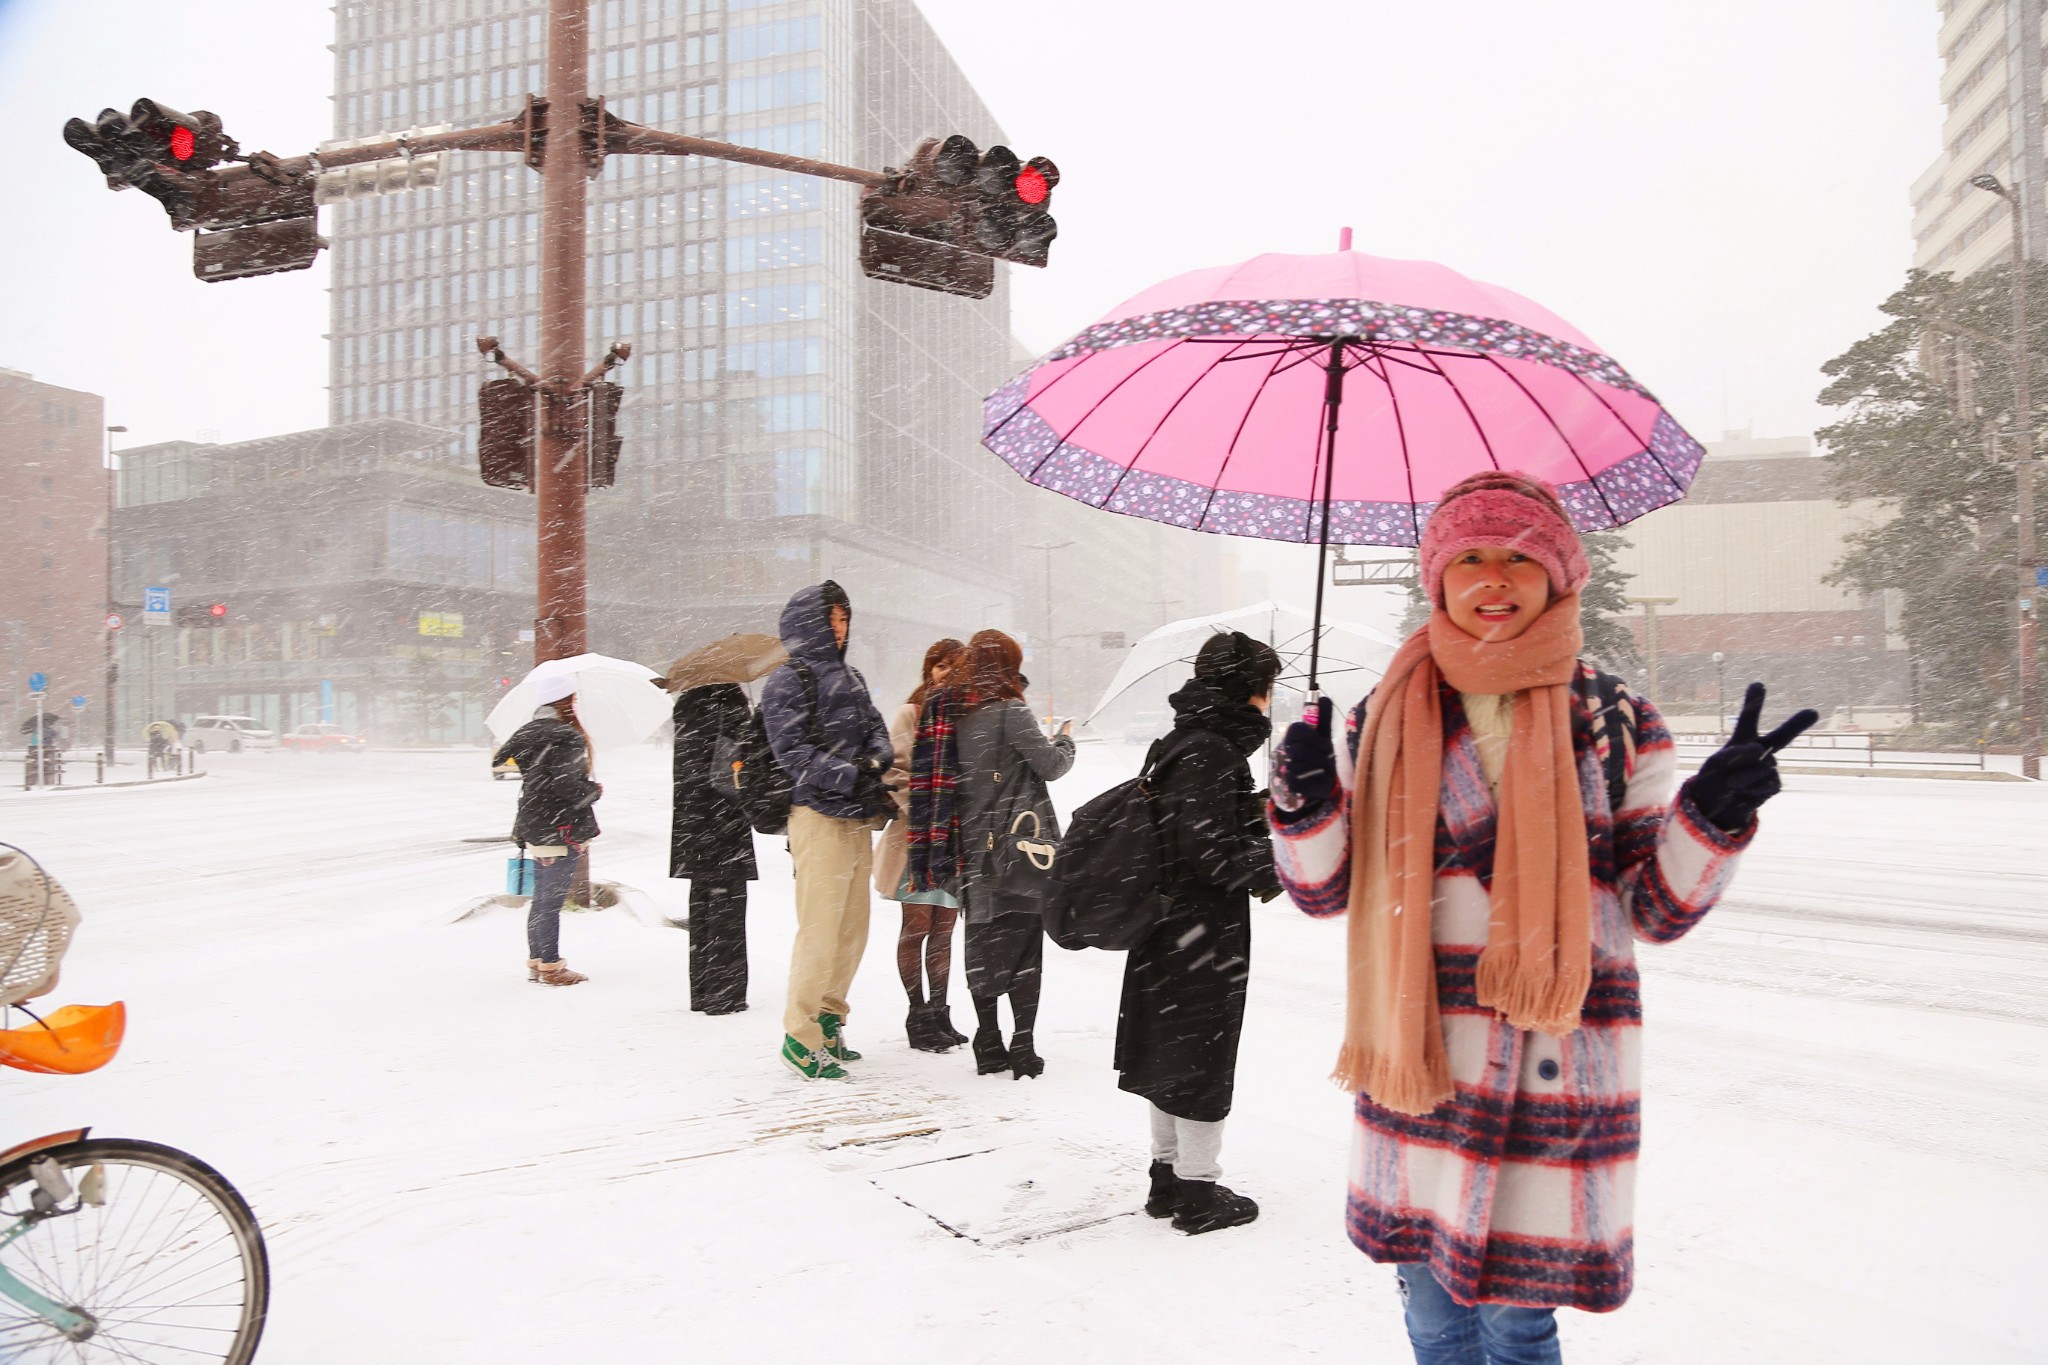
point(1446, 1332)
point(552, 878)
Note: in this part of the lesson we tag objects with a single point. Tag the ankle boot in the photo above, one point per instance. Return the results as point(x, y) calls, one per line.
point(990, 1056)
point(1024, 1059)
point(923, 1032)
point(1159, 1202)
point(942, 1021)
point(557, 974)
point(1204, 1206)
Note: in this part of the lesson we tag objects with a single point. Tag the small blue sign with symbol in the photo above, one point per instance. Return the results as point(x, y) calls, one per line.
point(78, 701)
point(156, 606)
point(2041, 575)
point(38, 683)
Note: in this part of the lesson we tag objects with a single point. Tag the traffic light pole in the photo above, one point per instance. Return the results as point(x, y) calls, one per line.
point(560, 613)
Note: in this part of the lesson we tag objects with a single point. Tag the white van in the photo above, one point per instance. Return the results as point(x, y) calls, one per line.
point(232, 733)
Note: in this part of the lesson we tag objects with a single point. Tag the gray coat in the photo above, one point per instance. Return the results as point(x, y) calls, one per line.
point(1000, 745)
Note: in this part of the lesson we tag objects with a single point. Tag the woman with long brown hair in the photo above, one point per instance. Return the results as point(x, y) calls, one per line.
point(924, 947)
point(982, 826)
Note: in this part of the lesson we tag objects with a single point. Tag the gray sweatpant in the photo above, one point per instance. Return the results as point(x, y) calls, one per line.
point(1190, 1147)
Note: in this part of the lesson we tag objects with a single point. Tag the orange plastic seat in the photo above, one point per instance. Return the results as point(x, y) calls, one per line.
point(69, 1041)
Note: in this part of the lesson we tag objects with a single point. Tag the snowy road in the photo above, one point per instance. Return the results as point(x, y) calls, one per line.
point(1844, 1160)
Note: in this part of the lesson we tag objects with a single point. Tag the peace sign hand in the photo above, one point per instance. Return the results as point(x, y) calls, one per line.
point(1743, 773)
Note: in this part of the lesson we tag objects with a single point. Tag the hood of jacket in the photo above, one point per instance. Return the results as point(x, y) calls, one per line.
point(544, 730)
point(1200, 706)
point(806, 624)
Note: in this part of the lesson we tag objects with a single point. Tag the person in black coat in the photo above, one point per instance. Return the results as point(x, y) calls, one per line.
point(556, 819)
point(1184, 986)
point(712, 847)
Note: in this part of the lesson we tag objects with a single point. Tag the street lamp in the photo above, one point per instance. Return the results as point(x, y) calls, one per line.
point(2023, 405)
point(107, 700)
point(1649, 606)
point(1720, 695)
point(1048, 547)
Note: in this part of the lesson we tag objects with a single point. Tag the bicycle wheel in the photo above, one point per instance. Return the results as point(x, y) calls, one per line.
point(170, 1264)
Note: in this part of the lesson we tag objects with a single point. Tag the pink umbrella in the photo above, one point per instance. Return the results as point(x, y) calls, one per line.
point(1213, 401)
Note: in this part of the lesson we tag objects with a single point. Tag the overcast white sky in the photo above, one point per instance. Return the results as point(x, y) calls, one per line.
point(1717, 194)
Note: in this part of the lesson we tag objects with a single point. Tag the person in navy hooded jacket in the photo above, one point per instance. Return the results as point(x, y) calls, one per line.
point(830, 739)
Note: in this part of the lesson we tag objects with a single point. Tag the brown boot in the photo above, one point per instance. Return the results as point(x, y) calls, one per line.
point(557, 974)
point(533, 969)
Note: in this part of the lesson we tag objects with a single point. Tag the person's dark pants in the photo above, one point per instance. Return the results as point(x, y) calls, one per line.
point(1443, 1331)
point(552, 878)
point(718, 946)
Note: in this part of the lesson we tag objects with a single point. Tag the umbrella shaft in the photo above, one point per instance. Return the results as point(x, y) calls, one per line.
point(1333, 402)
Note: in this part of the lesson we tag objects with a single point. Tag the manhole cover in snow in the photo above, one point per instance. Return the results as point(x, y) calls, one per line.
point(1017, 1194)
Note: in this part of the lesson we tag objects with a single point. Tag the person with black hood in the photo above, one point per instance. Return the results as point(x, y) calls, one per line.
point(830, 739)
point(1184, 986)
point(712, 847)
point(555, 821)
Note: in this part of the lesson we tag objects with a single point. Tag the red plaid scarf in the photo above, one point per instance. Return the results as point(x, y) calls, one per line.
point(933, 832)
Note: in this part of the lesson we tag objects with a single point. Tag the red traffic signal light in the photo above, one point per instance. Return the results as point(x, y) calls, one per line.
point(190, 142)
point(218, 610)
point(1033, 186)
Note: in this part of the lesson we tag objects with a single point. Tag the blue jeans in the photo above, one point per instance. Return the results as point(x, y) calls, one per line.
point(1446, 1332)
point(552, 878)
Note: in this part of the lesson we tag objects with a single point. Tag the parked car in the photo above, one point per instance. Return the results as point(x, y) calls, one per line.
point(232, 733)
point(320, 738)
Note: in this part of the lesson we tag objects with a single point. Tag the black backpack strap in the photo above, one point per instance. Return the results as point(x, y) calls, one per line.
point(810, 682)
point(1612, 711)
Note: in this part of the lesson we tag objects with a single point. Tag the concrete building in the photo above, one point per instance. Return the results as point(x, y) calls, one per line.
point(1991, 85)
point(786, 419)
point(53, 576)
point(1744, 555)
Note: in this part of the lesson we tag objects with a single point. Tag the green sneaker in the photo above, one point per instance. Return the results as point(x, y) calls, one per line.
point(834, 1043)
point(812, 1066)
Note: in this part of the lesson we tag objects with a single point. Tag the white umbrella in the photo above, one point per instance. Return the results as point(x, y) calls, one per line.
point(618, 701)
point(1351, 653)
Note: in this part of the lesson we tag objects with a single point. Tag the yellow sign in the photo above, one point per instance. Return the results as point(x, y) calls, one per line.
point(441, 623)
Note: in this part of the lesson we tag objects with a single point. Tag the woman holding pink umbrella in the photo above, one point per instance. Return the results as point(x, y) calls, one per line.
point(1499, 829)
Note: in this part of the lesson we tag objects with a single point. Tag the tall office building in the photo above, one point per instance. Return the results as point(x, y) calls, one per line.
point(786, 419)
point(1991, 86)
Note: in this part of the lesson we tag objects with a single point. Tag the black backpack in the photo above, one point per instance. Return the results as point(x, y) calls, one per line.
point(1108, 888)
point(744, 770)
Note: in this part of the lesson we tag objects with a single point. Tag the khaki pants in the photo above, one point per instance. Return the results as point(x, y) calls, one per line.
point(834, 859)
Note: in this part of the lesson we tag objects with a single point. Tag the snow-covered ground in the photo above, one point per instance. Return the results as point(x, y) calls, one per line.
point(1844, 1157)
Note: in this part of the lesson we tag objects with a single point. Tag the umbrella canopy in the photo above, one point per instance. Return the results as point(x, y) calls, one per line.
point(1205, 402)
point(1345, 648)
point(735, 659)
point(613, 701)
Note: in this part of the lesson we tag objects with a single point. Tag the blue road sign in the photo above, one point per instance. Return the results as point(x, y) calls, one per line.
point(38, 683)
point(327, 701)
point(78, 701)
point(2041, 575)
point(156, 606)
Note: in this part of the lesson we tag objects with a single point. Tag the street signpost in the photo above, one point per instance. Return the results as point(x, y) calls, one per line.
point(38, 684)
point(156, 606)
point(114, 621)
point(39, 752)
point(78, 701)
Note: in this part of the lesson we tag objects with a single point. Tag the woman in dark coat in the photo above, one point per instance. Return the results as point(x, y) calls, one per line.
point(556, 819)
point(1184, 986)
point(979, 742)
point(712, 847)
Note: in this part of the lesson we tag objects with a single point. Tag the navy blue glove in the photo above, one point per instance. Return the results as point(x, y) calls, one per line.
point(1742, 774)
point(1307, 762)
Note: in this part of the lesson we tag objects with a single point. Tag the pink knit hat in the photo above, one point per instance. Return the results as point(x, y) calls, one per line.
point(1500, 508)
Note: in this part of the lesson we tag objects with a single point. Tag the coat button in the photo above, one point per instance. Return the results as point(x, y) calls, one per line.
point(1547, 1069)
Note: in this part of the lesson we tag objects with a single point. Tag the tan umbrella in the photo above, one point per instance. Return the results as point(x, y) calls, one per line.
point(735, 659)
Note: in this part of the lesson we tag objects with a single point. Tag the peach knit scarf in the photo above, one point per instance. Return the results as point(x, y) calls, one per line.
point(1538, 956)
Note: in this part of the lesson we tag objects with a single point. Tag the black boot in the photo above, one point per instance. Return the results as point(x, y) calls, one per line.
point(1159, 1204)
point(923, 1031)
point(990, 1056)
point(1024, 1059)
point(942, 1021)
point(1204, 1206)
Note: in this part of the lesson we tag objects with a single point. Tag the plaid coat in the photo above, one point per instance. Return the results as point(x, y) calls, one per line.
point(1521, 1188)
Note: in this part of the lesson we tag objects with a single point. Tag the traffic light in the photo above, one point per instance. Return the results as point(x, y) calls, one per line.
point(259, 217)
point(603, 437)
point(505, 433)
point(937, 222)
point(219, 612)
point(198, 617)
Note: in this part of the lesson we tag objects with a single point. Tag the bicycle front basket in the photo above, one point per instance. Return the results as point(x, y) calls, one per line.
point(36, 921)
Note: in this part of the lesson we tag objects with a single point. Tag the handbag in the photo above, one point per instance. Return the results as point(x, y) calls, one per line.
point(519, 873)
point(1022, 839)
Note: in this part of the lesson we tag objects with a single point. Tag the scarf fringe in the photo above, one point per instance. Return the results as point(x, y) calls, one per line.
point(1549, 1004)
point(1392, 1084)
